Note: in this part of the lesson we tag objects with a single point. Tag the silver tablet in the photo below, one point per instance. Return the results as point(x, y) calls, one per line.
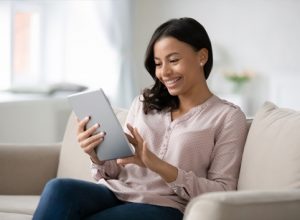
point(95, 104)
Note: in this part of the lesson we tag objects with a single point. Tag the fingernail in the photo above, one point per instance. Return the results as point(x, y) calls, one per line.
point(103, 133)
point(96, 125)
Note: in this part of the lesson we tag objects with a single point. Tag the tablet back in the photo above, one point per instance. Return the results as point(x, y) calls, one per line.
point(96, 105)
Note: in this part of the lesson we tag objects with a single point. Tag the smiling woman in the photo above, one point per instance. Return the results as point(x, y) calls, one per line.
point(187, 141)
point(173, 52)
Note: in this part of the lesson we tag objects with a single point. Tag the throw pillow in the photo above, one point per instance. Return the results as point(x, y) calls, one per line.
point(271, 158)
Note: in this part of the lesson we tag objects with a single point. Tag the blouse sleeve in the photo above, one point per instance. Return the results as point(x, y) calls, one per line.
point(225, 163)
point(110, 169)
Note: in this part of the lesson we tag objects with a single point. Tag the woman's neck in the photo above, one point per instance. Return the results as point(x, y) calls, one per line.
point(188, 102)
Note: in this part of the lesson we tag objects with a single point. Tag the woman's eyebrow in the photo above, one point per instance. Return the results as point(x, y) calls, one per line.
point(170, 54)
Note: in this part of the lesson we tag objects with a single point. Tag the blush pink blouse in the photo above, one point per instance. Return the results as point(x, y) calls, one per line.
point(205, 144)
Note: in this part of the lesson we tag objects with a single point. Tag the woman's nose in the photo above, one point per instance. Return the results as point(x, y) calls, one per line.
point(166, 70)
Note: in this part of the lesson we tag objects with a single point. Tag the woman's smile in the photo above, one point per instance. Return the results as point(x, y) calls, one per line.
point(172, 82)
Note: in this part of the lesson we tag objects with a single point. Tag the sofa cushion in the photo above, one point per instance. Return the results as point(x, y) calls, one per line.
point(14, 216)
point(25, 168)
point(17, 206)
point(272, 150)
point(245, 205)
point(73, 162)
point(47, 118)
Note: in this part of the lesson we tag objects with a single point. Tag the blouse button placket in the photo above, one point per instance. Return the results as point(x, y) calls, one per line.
point(164, 147)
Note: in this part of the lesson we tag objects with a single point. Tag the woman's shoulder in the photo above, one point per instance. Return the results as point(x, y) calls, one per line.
point(136, 103)
point(137, 106)
point(231, 106)
point(226, 109)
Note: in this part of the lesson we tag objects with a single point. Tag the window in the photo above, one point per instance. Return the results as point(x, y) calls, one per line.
point(25, 47)
point(20, 27)
point(5, 45)
point(81, 42)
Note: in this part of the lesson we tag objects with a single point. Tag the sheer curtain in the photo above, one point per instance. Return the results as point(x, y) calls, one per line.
point(119, 29)
point(97, 47)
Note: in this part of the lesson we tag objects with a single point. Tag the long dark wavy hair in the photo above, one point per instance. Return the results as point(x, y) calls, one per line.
point(187, 30)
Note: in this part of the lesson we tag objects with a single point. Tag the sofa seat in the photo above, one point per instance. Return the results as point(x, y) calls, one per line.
point(14, 216)
point(17, 207)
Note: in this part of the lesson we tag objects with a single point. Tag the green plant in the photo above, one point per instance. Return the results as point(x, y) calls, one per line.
point(239, 79)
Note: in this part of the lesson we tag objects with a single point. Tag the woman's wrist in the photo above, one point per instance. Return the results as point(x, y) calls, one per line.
point(167, 171)
point(97, 161)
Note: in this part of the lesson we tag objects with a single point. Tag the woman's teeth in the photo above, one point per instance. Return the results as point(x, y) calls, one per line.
point(171, 82)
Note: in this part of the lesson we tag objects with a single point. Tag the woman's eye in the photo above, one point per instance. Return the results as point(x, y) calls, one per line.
point(157, 64)
point(174, 60)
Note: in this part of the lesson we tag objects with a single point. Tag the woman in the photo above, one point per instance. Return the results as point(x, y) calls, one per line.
point(187, 140)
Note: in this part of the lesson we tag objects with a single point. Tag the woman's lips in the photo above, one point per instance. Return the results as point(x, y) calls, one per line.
point(171, 82)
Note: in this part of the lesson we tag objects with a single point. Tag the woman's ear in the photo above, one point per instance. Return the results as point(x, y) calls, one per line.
point(203, 56)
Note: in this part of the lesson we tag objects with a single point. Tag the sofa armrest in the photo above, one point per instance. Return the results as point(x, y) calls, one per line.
point(24, 169)
point(246, 205)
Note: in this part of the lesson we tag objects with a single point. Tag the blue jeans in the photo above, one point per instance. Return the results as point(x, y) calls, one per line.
point(76, 199)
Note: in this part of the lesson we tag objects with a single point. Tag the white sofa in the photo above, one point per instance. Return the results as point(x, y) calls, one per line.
point(268, 187)
point(46, 115)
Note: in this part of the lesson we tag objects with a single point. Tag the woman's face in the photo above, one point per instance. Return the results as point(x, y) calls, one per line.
point(178, 66)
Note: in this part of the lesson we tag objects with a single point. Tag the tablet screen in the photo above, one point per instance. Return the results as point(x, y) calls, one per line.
point(95, 104)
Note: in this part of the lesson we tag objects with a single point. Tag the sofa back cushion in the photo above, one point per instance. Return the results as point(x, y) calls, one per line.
point(271, 158)
point(47, 118)
point(73, 162)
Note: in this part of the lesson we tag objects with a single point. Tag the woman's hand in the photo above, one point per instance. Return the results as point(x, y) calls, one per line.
point(88, 140)
point(145, 158)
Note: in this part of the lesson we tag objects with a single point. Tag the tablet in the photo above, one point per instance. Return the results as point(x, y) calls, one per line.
point(95, 104)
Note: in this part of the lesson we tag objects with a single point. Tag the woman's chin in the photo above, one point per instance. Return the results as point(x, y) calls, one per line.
point(173, 92)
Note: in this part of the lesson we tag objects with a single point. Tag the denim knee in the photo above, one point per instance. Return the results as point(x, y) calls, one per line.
point(55, 185)
point(58, 188)
point(59, 194)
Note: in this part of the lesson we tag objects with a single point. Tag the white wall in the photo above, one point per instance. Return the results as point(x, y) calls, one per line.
point(259, 35)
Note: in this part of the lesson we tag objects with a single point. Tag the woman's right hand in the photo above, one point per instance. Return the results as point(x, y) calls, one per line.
point(88, 140)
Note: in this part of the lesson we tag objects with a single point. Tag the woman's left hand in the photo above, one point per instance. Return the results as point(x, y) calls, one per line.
point(143, 156)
